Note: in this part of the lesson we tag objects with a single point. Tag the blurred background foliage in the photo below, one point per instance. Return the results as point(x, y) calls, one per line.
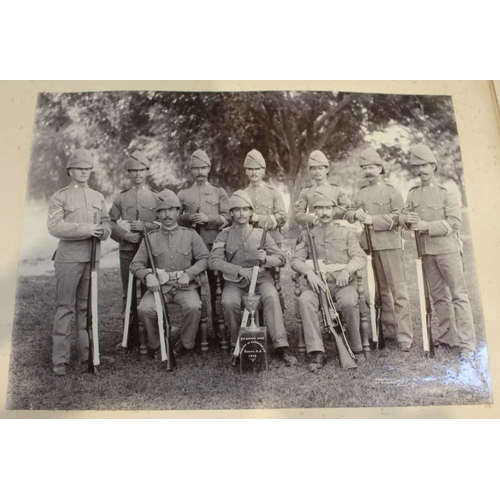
point(284, 126)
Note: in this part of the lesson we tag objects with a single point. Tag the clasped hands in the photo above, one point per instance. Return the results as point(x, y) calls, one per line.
point(317, 284)
point(153, 284)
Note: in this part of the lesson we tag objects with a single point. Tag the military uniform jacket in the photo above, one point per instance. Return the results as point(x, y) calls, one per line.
point(334, 244)
point(304, 201)
point(269, 206)
point(125, 207)
point(236, 247)
point(384, 203)
point(210, 200)
point(72, 211)
point(439, 208)
point(177, 249)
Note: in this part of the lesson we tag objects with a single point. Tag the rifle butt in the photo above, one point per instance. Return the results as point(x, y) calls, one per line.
point(347, 362)
point(128, 306)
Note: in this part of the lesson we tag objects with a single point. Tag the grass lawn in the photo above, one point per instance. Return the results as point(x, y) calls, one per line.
point(387, 378)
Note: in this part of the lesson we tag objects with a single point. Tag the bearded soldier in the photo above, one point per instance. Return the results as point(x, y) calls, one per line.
point(378, 204)
point(319, 167)
point(235, 252)
point(269, 207)
point(77, 213)
point(205, 209)
point(339, 249)
point(131, 211)
point(180, 257)
point(436, 215)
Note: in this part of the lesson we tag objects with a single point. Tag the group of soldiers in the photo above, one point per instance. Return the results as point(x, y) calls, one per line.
point(201, 229)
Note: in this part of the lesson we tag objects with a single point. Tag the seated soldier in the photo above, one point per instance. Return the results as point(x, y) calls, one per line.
point(338, 247)
point(234, 253)
point(180, 256)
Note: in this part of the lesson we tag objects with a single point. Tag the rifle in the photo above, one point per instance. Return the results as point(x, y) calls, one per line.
point(329, 313)
point(253, 284)
point(424, 297)
point(131, 323)
point(375, 300)
point(167, 353)
point(92, 314)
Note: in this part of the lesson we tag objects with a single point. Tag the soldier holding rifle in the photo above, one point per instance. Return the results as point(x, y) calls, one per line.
point(436, 215)
point(205, 209)
point(77, 213)
point(234, 253)
point(130, 210)
point(179, 256)
point(340, 256)
point(269, 207)
point(378, 204)
point(319, 167)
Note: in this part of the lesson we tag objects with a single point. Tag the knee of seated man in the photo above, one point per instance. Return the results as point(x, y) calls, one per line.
point(193, 305)
point(347, 303)
point(146, 308)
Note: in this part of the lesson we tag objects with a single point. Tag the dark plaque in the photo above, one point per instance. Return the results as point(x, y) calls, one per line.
point(253, 350)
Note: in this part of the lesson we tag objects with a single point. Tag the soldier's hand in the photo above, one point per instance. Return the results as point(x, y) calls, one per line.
point(254, 218)
point(137, 225)
point(360, 214)
point(246, 272)
point(368, 220)
point(411, 218)
point(96, 230)
point(421, 225)
point(132, 237)
point(315, 281)
point(183, 281)
point(152, 283)
point(343, 278)
point(200, 218)
point(262, 256)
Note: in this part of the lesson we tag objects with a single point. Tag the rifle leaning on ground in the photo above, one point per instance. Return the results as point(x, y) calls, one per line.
point(166, 351)
point(92, 312)
point(374, 297)
point(131, 323)
point(424, 297)
point(331, 318)
point(251, 291)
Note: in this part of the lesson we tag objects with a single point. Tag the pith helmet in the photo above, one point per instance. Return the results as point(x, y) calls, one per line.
point(80, 158)
point(254, 159)
point(370, 157)
point(240, 199)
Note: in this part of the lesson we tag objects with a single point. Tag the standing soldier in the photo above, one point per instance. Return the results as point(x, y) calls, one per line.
point(180, 257)
point(205, 209)
point(269, 207)
point(131, 209)
point(235, 252)
point(378, 205)
point(339, 249)
point(436, 215)
point(76, 214)
point(319, 168)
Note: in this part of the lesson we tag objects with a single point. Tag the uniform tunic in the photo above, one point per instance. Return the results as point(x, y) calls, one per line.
point(270, 208)
point(384, 203)
point(443, 265)
point(335, 245)
point(210, 200)
point(130, 205)
point(236, 248)
point(175, 249)
point(72, 212)
point(304, 202)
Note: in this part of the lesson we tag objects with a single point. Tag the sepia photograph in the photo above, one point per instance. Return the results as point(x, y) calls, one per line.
point(188, 250)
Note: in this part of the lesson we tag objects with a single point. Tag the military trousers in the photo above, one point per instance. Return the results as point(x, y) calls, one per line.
point(396, 316)
point(273, 315)
point(448, 290)
point(347, 301)
point(72, 288)
point(190, 303)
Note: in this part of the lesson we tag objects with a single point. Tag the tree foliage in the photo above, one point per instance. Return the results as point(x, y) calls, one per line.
point(284, 126)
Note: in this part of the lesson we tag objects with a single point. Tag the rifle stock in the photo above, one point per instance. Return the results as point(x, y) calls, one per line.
point(253, 284)
point(167, 353)
point(92, 314)
point(330, 315)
